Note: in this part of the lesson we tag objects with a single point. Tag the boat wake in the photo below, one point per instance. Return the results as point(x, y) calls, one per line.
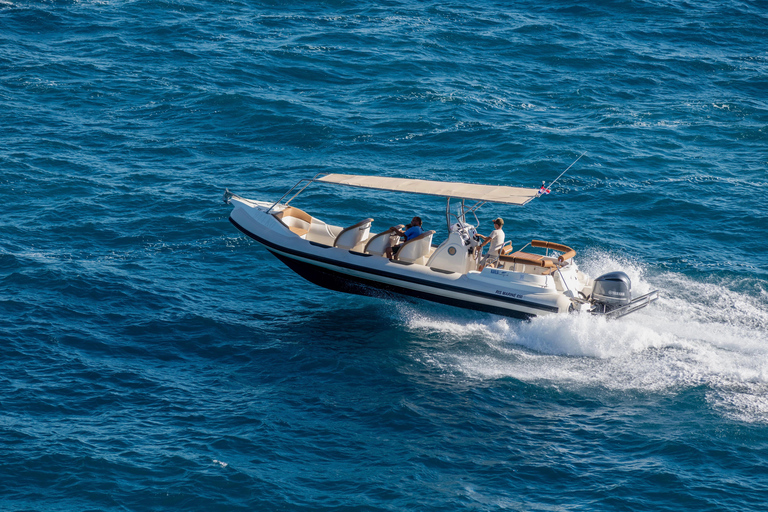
point(709, 334)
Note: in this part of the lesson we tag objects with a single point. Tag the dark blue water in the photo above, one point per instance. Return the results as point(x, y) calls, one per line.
point(152, 358)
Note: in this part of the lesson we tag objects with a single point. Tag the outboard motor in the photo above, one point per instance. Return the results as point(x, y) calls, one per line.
point(611, 291)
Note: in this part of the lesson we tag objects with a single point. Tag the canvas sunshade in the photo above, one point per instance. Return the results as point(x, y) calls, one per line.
point(489, 193)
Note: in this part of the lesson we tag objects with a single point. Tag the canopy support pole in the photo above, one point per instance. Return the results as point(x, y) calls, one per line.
point(308, 180)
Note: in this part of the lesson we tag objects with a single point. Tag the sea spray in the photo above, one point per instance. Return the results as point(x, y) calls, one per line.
point(681, 342)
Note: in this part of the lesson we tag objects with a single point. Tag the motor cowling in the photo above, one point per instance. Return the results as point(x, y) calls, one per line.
point(611, 291)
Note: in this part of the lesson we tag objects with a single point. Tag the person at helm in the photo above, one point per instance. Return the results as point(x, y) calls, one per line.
point(496, 239)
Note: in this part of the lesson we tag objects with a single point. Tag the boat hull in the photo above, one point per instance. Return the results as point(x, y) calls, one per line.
point(363, 274)
point(352, 260)
point(344, 283)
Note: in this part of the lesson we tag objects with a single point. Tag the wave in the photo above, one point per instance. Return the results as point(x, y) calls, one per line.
point(700, 333)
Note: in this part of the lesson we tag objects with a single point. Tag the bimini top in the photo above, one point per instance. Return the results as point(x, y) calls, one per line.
point(489, 193)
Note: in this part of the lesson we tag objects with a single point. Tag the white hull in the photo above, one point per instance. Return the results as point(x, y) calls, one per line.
point(499, 291)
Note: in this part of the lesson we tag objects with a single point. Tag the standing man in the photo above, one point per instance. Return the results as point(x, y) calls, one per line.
point(496, 239)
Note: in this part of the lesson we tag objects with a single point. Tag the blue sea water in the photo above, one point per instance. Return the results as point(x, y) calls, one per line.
point(153, 358)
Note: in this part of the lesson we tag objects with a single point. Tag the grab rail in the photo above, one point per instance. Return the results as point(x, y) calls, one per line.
point(308, 180)
point(525, 258)
point(569, 253)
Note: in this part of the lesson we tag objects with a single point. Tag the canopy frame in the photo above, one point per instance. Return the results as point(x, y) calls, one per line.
point(480, 193)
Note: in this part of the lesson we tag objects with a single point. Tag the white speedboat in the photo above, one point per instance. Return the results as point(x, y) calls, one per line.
point(540, 278)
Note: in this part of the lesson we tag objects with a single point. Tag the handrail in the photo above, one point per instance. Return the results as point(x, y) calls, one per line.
point(527, 259)
point(308, 180)
point(568, 252)
point(289, 191)
point(305, 186)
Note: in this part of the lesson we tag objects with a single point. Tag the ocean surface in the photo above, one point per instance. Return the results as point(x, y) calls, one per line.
point(153, 358)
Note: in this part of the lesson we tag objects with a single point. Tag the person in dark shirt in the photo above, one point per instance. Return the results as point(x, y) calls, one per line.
point(409, 234)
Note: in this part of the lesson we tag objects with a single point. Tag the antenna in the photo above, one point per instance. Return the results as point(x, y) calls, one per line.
point(565, 171)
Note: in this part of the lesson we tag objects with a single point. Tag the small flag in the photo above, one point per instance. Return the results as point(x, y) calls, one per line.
point(544, 190)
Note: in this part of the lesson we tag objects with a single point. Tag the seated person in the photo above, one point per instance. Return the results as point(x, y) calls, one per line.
point(413, 230)
point(496, 239)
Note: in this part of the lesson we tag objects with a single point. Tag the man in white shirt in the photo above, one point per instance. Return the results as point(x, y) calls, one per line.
point(496, 239)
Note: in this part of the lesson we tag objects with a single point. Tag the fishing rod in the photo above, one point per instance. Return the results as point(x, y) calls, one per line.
point(545, 189)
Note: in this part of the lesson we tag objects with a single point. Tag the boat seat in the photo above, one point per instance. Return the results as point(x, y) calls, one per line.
point(543, 265)
point(349, 237)
point(297, 221)
point(526, 258)
point(377, 244)
point(416, 250)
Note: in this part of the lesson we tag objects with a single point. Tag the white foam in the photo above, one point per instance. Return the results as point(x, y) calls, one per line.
point(699, 333)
